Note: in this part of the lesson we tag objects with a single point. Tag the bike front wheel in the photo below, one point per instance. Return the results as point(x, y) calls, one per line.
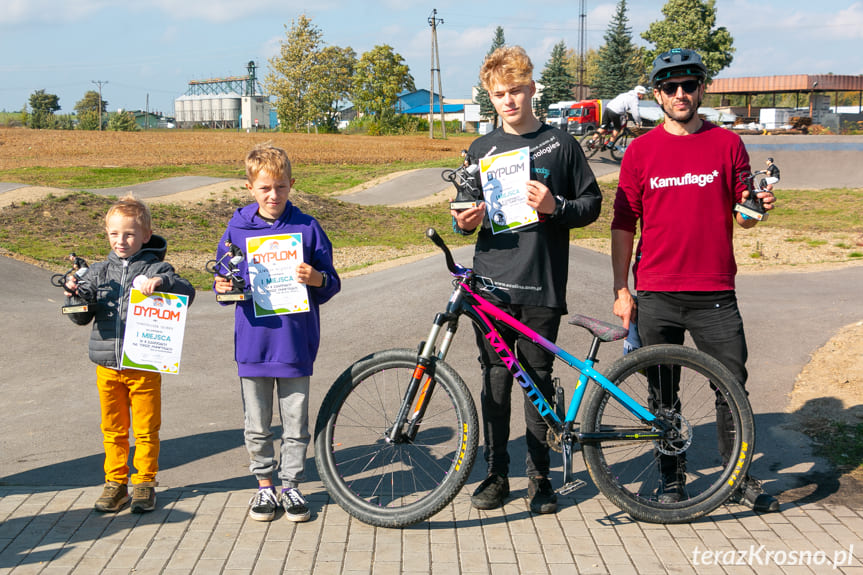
point(681, 479)
point(620, 146)
point(386, 482)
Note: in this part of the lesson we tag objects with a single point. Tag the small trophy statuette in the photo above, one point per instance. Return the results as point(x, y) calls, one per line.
point(468, 195)
point(753, 207)
point(227, 266)
point(77, 271)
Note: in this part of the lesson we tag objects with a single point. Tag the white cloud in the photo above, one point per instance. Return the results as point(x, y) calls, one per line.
point(847, 23)
point(49, 11)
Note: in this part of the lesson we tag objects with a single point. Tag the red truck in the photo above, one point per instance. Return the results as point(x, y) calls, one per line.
point(584, 116)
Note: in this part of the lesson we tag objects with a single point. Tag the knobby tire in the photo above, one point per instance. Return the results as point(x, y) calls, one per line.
point(628, 472)
point(398, 484)
point(620, 146)
point(588, 149)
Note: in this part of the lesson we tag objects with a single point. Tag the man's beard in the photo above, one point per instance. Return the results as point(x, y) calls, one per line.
point(692, 111)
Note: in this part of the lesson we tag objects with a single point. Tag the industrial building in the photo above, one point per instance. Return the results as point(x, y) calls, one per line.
point(235, 102)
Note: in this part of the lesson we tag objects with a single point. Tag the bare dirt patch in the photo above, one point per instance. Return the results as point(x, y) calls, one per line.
point(21, 148)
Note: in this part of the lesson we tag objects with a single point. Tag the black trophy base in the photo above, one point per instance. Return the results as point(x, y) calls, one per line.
point(751, 211)
point(83, 308)
point(233, 296)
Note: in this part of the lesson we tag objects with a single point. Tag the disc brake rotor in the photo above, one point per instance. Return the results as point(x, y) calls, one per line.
point(683, 440)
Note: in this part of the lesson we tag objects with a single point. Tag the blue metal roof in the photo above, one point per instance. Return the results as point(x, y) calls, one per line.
point(408, 100)
point(447, 109)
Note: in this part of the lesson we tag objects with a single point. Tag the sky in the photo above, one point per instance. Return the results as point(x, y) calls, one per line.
point(144, 53)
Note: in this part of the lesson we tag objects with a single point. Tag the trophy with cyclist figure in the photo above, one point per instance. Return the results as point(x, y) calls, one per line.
point(753, 206)
point(76, 272)
point(464, 179)
point(227, 267)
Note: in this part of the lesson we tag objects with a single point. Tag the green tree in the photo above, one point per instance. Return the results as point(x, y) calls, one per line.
point(556, 79)
point(292, 74)
point(334, 72)
point(308, 79)
point(486, 108)
point(43, 106)
point(63, 122)
point(90, 109)
point(91, 102)
point(591, 65)
point(88, 120)
point(691, 24)
point(380, 76)
point(620, 65)
point(122, 122)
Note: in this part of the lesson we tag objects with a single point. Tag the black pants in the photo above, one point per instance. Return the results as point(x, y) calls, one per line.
point(611, 120)
point(497, 385)
point(714, 323)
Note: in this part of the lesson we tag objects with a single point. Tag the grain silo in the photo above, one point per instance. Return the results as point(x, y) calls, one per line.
point(232, 102)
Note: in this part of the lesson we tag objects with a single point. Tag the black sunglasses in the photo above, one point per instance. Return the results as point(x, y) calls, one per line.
point(670, 88)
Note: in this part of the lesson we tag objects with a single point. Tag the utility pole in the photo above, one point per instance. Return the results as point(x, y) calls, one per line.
point(435, 67)
point(582, 16)
point(100, 83)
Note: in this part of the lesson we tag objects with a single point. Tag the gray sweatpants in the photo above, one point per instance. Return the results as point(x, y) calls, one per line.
point(293, 397)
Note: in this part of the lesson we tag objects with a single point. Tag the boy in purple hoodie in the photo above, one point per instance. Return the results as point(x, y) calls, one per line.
point(275, 347)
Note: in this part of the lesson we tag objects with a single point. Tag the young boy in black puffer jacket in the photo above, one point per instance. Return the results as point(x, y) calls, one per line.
point(136, 260)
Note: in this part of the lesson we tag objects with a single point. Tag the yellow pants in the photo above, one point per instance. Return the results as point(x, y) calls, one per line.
point(139, 394)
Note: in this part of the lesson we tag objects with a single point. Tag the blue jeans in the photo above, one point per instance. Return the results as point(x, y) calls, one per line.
point(293, 397)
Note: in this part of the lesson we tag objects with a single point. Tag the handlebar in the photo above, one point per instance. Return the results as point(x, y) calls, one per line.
point(454, 268)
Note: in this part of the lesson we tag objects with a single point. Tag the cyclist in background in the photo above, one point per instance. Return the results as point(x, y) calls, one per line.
point(616, 110)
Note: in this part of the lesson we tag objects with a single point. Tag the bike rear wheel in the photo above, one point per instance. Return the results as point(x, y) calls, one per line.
point(620, 146)
point(590, 146)
point(700, 396)
point(386, 483)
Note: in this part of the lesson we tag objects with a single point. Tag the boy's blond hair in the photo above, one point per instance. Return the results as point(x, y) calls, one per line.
point(507, 66)
point(131, 207)
point(270, 159)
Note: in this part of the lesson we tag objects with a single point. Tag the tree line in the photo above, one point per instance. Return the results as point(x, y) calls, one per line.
point(310, 80)
point(312, 83)
point(90, 114)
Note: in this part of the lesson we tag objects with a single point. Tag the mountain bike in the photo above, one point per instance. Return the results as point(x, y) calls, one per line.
point(397, 432)
point(616, 147)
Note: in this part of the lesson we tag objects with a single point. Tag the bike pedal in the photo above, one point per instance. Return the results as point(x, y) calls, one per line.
point(570, 487)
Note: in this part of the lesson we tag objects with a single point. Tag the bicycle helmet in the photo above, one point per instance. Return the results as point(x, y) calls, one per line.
point(640, 90)
point(677, 62)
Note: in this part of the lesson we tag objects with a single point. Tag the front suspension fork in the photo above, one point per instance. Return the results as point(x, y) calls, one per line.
point(422, 383)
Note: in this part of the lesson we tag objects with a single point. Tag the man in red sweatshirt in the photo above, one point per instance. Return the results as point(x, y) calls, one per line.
point(682, 181)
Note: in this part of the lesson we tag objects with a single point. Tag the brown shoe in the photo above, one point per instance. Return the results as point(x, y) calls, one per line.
point(114, 497)
point(143, 497)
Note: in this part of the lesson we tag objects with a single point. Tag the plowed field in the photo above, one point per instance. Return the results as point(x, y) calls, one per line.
point(21, 148)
